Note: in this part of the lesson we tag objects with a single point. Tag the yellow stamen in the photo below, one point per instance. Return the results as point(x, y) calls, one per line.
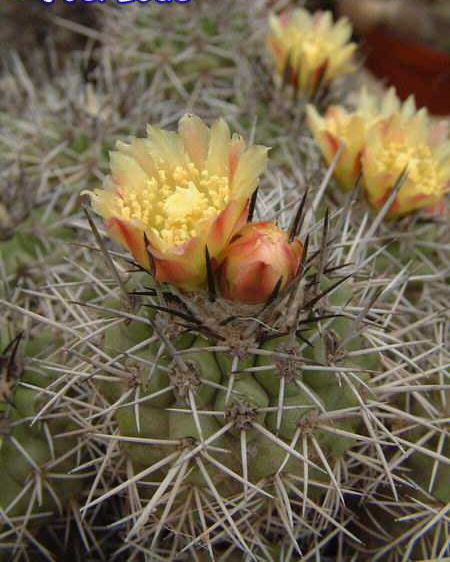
point(173, 203)
point(418, 159)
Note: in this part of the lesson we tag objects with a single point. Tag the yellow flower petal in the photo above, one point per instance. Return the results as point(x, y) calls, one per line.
point(251, 165)
point(167, 147)
point(217, 160)
point(195, 135)
point(125, 170)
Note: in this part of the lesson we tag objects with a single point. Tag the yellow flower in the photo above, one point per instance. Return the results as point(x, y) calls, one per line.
point(350, 129)
point(172, 194)
point(309, 49)
point(397, 144)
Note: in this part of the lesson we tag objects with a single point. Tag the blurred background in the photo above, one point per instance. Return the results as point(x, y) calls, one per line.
point(404, 43)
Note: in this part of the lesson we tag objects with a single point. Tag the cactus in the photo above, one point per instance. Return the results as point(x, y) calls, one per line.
point(236, 411)
point(38, 446)
point(414, 524)
point(266, 397)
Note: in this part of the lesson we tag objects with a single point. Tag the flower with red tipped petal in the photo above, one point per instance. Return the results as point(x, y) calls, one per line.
point(259, 257)
point(349, 130)
point(171, 195)
point(413, 146)
point(309, 50)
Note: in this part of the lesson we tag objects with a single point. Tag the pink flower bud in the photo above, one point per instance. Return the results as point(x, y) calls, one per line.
point(259, 256)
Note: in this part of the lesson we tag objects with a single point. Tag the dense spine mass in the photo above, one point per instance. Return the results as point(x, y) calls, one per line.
point(38, 449)
point(266, 418)
point(140, 422)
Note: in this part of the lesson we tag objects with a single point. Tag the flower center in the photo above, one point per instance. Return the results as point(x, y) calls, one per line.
point(315, 47)
point(418, 159)
point(175, 204)
point(310, 47)
point(183, 202)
